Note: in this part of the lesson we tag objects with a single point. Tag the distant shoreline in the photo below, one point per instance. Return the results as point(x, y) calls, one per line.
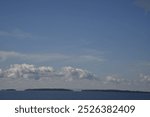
point(84, 90)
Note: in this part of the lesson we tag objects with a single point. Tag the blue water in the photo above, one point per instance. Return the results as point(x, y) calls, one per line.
point(72, 95)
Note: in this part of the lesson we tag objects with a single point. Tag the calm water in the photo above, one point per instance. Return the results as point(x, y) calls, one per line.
point(71, 95)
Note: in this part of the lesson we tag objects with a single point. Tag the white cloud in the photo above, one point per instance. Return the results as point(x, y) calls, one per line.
point(76, 73)
point(145, 4)
point(23, 76)
point(113, 79)
point(145, 78)
point(28, 71)
point(17, 33)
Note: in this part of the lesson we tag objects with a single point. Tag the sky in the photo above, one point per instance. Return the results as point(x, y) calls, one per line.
point(88, 44)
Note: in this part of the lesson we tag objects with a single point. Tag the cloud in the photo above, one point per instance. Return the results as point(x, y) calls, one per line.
point(4, 55)
point(145, 4)
point(28, 71)
point(48, 57)
point(17, 33)
point(1, 73)
point(31, 76)
point(23, 76)
point(145, 78)
point(113, 79)
point(76, 73)
point(7, 55)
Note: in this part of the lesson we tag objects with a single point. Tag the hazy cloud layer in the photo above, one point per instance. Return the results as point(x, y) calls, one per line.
point(6, 55)
point(145, 4)
point(17, 33)
point(23, 76)
point(9, 55)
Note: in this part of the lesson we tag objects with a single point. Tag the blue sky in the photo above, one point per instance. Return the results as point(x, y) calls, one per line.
point(106, 37)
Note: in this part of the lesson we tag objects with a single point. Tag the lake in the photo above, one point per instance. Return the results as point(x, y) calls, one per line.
point(73, 95)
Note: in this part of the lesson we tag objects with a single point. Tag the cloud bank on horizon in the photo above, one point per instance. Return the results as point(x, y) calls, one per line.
point(31, 72)
point(24, 76)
